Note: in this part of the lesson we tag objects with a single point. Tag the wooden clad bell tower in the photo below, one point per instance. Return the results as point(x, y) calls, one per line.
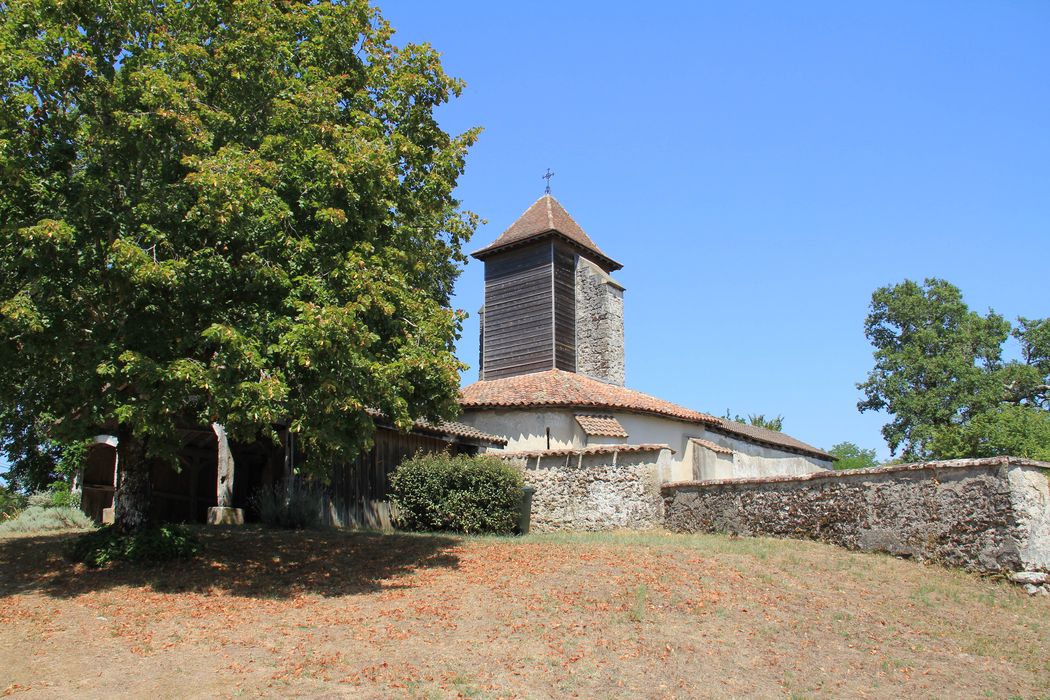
point(547, 300)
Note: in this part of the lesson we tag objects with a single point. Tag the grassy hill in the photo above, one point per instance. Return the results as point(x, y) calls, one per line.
point(276, 613)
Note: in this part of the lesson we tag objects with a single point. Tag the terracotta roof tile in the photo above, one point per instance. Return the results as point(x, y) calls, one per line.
point(584, 451)
point(460, 430)
point(444, 428)
point(546, 216)
point(713, 446)
point(556, 387)
point(605, 426)
point(771, 437)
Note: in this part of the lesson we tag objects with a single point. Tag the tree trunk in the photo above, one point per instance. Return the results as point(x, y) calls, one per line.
point(131, 502)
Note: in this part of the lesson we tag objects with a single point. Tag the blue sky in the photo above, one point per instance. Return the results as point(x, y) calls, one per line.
point(760, 168)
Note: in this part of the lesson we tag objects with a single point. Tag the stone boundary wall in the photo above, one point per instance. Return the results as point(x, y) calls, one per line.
point(982, 514)
point(595, 491)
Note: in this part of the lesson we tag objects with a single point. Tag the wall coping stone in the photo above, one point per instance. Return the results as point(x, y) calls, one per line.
point(578, 451)
point(947, 464)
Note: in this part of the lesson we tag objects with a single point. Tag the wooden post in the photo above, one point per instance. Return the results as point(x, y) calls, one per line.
point(224, 513)
point(224, 482)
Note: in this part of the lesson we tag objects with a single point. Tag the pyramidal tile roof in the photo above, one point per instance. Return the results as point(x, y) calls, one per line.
point(557, 387)
point(546, 216)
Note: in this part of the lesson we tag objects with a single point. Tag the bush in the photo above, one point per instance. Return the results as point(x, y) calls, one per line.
point(296, 507)
point(461, 494)
point(48, 518)
point(57, 495)
point(39, 499)
point(154, 545)
point(11, 504)
point(62, 496)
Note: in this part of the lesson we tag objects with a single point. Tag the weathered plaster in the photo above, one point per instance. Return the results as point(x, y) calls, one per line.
point(525, 429)
point(1030, 495)
point(749, 459)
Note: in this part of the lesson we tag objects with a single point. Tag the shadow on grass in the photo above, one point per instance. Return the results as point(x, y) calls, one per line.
point(251, 561)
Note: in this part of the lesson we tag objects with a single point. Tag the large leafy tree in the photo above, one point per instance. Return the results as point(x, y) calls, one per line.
point(233, 211)
point(939, 373)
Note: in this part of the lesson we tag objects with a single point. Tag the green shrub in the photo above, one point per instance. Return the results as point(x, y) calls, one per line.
point(11, 504)
point(461, 494)
point(154, 545)
point(295, 507)
point(57, 495)
point(62, 496)
point(39, 499)
point(47, 519)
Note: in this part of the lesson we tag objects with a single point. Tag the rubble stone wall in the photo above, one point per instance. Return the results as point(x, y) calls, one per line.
point(595, 492)
point(599, 324)
point(983, 515)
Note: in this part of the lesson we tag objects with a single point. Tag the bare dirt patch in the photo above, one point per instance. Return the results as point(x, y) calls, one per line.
point(337, 613)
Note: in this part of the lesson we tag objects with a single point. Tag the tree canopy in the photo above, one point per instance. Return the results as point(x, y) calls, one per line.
point(940, 374)
point(232, 212)
point(851, 456)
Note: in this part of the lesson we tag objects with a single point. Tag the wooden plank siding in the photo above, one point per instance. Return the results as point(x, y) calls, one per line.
point(564, 307)
point(359, 493)
point(519, 312)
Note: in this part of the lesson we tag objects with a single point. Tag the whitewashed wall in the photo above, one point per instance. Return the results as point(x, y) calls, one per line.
point(526, 429)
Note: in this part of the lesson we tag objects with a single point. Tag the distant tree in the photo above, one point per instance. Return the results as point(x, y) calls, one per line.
point(232, 212)
point(939, 373)
point(33, 460)
point(850, 456)
point(758, 420)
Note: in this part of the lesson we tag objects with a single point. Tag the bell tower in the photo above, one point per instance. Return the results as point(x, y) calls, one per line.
point(550, 300)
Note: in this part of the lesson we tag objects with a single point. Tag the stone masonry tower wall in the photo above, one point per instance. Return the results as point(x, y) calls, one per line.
point(599, 324)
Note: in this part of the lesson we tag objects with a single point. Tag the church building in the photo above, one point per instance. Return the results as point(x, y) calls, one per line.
point(552, 374)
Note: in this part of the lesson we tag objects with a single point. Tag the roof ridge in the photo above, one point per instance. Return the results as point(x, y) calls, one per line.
point(757, 432)
point(544, 216)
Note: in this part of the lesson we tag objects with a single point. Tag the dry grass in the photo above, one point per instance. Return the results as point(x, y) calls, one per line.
point(609, 615)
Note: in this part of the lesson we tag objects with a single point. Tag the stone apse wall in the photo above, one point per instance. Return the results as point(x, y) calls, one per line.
point(984, 515)
point(593, 489)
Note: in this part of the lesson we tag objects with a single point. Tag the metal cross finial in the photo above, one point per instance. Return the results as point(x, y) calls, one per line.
point(548, 177)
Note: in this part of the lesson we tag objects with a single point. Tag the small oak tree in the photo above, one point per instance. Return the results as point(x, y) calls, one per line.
point(939, 373)
point(212, 211)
